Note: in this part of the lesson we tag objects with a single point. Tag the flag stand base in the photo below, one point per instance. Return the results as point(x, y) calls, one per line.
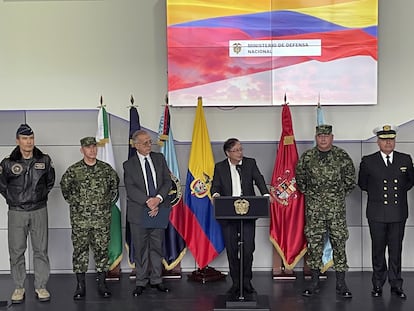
point(171, 274)
point(281, 274)
point(206, 274)
point(133, 274)
point(114, 274)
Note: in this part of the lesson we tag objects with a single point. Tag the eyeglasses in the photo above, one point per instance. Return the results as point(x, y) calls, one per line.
point(236, 150)
point(146, 143)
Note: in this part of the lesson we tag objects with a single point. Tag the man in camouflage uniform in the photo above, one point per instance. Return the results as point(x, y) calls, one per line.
point(326, 174)
point(90, 186)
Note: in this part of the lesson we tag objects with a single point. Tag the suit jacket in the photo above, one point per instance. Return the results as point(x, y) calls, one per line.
point(135, 186)
point(250, 176)
point(386, 186)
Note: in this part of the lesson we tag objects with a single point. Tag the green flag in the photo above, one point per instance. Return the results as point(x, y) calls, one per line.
point(106, 154)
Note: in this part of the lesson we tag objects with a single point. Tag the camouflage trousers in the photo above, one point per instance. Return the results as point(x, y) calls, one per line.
point(90, 235)
point(317, 224)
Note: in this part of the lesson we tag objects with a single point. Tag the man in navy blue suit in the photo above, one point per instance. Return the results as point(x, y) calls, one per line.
point(386, 176)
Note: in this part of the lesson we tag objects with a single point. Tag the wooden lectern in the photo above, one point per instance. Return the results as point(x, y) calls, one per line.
point(241, 208)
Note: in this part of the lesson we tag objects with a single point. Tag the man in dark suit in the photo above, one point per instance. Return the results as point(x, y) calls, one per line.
point(386, 176)
point(236, 176)
point(147, 181)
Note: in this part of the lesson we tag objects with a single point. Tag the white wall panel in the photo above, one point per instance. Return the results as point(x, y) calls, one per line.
point(58, 210)
point(4, 251)
point(354, 248)
point(64, 127)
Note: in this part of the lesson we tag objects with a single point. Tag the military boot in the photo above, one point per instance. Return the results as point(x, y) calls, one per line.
point(314, 284)
point(102, 289)
point(341, 288)
point(80, 287)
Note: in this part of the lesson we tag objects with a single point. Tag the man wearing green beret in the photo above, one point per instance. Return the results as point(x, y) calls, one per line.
point(325, 174)
point(90, 186)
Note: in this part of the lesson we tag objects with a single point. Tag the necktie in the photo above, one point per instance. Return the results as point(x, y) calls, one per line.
point(239, 170)
point(150, 179)
point(388, 160)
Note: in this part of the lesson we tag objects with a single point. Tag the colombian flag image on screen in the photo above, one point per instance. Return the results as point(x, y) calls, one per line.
point(251, 52)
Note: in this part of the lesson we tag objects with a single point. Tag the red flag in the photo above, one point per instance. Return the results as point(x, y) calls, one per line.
point(287, 211)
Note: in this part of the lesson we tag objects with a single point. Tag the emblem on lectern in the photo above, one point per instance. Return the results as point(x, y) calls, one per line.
point(241, 206)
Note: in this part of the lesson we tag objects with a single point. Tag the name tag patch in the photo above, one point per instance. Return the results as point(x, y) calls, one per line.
point(39, 166)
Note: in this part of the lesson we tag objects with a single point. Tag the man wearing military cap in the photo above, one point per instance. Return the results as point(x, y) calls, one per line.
point(26, 178)
point(386, 131)
point(325, 174)
point(324, 129)
point(386, 176)
point(88, 141)
point(90, 186)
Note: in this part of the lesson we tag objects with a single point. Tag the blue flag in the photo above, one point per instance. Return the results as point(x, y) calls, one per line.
point(174, 246)
point(134, 126)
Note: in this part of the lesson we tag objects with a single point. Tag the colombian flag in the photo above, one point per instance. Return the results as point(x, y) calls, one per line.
point(200, 230)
